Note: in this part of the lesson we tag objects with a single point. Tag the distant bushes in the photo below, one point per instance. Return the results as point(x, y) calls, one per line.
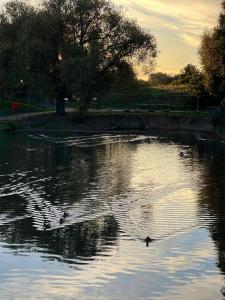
point(190, 80)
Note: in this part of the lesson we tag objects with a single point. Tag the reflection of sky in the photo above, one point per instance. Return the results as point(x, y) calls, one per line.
point(177, 26)
point(175, 266)
point(169, 186)
point(156, 193)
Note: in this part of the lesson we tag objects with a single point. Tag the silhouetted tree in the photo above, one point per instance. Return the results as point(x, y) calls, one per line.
point(160, 78)
point(68, 47)
point(191, 76)
point(212, 54)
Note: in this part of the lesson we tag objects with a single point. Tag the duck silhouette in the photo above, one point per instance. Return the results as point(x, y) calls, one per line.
point(61, 221)
point(148, 240)
point(65, 214)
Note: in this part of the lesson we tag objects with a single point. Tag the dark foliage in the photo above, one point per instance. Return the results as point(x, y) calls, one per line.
point(68, 48)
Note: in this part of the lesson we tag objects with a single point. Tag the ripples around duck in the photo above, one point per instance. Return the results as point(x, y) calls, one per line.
point(115, 190)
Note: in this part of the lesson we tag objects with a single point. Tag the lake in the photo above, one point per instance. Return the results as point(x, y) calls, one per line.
point(115, 190)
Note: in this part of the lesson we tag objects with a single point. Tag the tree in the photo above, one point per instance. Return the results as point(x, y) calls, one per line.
point(189, 74)
point(124, 77)
point(212, 55)
point(70, 47)
point(191, 77)
point(11, 20)
point(211, 61)
point(160, 79)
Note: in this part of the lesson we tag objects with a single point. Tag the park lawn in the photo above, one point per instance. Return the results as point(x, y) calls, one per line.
point(6, 108)
point(9, 126)
point(148, 97)
point(171, 89)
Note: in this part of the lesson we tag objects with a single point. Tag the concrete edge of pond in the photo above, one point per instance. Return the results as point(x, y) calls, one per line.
point(120, 123)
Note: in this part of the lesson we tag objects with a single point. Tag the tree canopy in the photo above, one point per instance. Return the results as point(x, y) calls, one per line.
point(212, 55)
point(68, 48)
point(190, 76)
point(160, 78)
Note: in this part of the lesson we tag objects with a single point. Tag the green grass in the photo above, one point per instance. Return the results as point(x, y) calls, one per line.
point(148, 97)
point(8, 127)
point(6, 108)
point(172, 89)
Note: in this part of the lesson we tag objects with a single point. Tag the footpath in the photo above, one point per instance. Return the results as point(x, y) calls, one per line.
point(24, 116)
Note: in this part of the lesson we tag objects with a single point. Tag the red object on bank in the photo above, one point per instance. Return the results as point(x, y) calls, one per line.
point(15, 106)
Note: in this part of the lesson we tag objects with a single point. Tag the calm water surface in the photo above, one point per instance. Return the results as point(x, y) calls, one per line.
point(117, 189)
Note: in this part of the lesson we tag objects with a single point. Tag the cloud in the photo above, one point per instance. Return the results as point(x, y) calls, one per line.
point(188, 17)
point(176, 22)
point(190, 39)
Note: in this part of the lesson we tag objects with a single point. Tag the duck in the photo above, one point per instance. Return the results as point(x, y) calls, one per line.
point(148, 240)
point(65, 214)
point(181, 154)
point(61, 221)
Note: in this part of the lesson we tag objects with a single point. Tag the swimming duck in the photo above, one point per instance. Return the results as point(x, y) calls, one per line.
point(181, 154)
point(65, 214)
point(61, 221)
point(148, 240)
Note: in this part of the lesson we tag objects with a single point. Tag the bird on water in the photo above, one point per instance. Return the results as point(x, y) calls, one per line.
point(65, 214)
point(148, 240)
point(61, 221)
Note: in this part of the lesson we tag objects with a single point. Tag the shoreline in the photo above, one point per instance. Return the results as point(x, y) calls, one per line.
point(135, 123)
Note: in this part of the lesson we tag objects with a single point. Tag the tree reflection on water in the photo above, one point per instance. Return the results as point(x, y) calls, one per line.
point(212, 194)
point(50, 180)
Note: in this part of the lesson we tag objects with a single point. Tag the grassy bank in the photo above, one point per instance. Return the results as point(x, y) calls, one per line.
point(6, 108)
point(148, 97)
point(8, 127)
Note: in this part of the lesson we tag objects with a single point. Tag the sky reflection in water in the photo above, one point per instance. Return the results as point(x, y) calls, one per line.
point(117, 190)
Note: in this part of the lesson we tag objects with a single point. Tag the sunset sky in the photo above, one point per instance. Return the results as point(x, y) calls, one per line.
point(177, 26)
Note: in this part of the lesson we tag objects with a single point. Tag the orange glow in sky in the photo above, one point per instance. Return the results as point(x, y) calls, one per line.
point(177, 26)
